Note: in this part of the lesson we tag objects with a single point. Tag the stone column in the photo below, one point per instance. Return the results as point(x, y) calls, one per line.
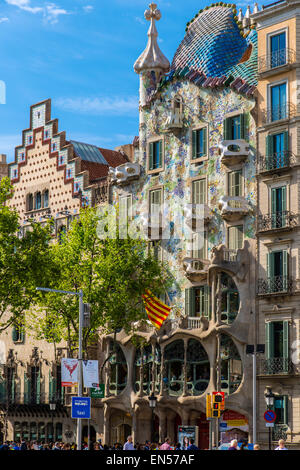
point(162, 425)
point(213, 298)
point(107, 373)
point(162, 387)
point(185, 417)
point(185, 391)
point(134, 424)
point(153, 368)
point(219, 300)
point(141, 391)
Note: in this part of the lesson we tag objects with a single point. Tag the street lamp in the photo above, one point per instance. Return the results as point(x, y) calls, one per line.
point(52, 405)
point(269, 397)
point(152, 403)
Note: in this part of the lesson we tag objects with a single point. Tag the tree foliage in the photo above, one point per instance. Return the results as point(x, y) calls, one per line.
point(113, 274)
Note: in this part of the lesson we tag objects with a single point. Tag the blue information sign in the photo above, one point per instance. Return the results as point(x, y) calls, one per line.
point(81, 407)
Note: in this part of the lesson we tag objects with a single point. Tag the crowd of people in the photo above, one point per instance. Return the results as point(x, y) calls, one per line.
point(167, 445)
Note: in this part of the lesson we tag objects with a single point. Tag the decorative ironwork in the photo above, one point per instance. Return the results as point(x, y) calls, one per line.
point(276, 365)
point(101, 193)
point(277, 161)
point(276, 59)
point(275, 285)
point(230, 255)
point(277, 220)
point(279, 432)
point(277, 113)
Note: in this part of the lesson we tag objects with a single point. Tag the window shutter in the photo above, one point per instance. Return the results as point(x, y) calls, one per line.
point(13, 385)
point(160, 153)
point(15, 334)
point(207, 302)
point(269, 140)
point(26, 389)
point(285, 409)
point(194, 144)
point(151, 149)
point(204, 142)
point(273, 207)
point(38, 388)
point(283, 196)
point(286, 141)
point(189, 304)
point(285, 269)
point(50, 386)
point(227, 129)
point(286, 342)
point(2, 390)
point(230, 184)
point(244, 125)
point(269, 340)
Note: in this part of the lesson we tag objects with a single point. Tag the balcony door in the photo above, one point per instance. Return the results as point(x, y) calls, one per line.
point(278, 50)
point(277, 347)
point(278, 205)
point(278, 102)
point(277, 268)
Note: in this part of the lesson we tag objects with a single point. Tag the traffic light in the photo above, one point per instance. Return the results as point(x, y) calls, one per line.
point(218, 404)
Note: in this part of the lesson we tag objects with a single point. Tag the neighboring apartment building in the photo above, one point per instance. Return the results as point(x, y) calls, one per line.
point(52, 177)
point(278, 223)
point(197, 139)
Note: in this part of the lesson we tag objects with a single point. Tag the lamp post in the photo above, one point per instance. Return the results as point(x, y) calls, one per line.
point(52, 405)
point(152, 403)
point(269, 397)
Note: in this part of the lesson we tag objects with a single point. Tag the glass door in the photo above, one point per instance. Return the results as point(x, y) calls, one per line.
point(278, 102)
point(278, 50)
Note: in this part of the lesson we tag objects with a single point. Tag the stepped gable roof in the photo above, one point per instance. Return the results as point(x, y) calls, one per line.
point(217, 52)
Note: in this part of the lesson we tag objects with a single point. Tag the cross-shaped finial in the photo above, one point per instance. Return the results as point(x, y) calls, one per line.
point(153, 13)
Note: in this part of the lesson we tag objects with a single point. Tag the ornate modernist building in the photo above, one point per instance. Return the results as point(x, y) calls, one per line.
point(197, 140)
point(52, 177)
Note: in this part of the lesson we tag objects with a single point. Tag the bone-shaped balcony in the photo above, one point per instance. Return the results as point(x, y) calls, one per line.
point(125, 173)
point(234, 151)
point(233, 207)
point(197, 214)
point(196, 269)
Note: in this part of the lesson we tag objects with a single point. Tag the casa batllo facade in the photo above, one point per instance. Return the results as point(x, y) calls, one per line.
point(197, 139)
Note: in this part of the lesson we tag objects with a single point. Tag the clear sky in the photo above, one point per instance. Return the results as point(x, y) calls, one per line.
point(80, 53)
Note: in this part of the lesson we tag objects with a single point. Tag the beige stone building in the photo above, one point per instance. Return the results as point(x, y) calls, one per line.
point(278, 222)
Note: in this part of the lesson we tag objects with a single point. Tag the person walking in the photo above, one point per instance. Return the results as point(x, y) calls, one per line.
point(281, 445)
point(128, 445)
point(233, 445)
point(192, 446)
point(166, 445)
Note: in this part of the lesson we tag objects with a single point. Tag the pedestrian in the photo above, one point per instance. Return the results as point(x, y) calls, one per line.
point(178, 446)
point(128, 445)
point(244, 446)
point(281, 445)
point(166, 445)
point(233, 445)
point(147, 445)
point(256, 447)
point(192, 446)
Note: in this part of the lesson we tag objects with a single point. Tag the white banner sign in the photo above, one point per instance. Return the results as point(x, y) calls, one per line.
point(69, 372)
point(90, 374)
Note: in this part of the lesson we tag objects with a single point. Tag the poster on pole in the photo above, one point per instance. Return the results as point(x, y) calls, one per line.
point(69, 372)
point(185, 433)
point(90, 374)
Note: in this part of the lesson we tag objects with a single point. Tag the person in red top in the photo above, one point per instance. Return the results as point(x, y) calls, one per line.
point(166, 445)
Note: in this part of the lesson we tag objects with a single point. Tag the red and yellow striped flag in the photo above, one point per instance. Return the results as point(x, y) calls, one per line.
point(156, 310)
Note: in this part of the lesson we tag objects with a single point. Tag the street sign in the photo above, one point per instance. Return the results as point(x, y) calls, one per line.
point(270, 416)
point(270, 425)
point(81, 407)
point(98, 392)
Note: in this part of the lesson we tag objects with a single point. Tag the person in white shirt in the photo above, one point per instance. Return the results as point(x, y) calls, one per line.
point(281, 445)
point(128, 445)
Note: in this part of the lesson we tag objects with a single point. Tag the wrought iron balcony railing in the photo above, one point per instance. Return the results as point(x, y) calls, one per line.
point(279, 432)
point(277, 220)
point(277, 113)
point(277, 161)
point(275, 285)
point(276, 59)
point(275, 366)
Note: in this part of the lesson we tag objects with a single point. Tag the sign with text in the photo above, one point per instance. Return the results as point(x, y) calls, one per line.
point(90, 374)
point(81, 407)
point(69, 372)
point(98, 392)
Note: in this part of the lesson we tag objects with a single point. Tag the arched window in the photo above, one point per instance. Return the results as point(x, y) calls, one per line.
point(231, 366)
point(38, 200)
point(198, 369)
point(230, 299)
point(118, 369)
point(174, 361)
point(46, 198)
point(144, 360)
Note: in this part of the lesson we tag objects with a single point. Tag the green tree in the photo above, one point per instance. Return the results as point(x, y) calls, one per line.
point(25, 261)
point(113, 274)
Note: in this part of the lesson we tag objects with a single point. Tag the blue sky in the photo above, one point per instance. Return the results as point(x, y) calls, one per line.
point(80, 53)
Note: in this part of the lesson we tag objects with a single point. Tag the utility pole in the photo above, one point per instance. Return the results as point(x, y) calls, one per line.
point(81, 313)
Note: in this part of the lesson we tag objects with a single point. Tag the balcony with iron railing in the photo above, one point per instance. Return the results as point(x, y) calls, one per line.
point(277, 162)
point(275, 366)
point(283, 220)
point(271, 62)
point(276, 285)
point(278, 113)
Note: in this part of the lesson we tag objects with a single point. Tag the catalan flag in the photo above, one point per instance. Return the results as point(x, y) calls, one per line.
point(156, 310)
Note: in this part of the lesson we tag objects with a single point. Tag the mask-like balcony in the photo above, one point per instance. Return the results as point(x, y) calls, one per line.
point(196, 269)
point(233, 208)
point(234, 151)
point(174, 121)
point(124, 174)
point(195, 214)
